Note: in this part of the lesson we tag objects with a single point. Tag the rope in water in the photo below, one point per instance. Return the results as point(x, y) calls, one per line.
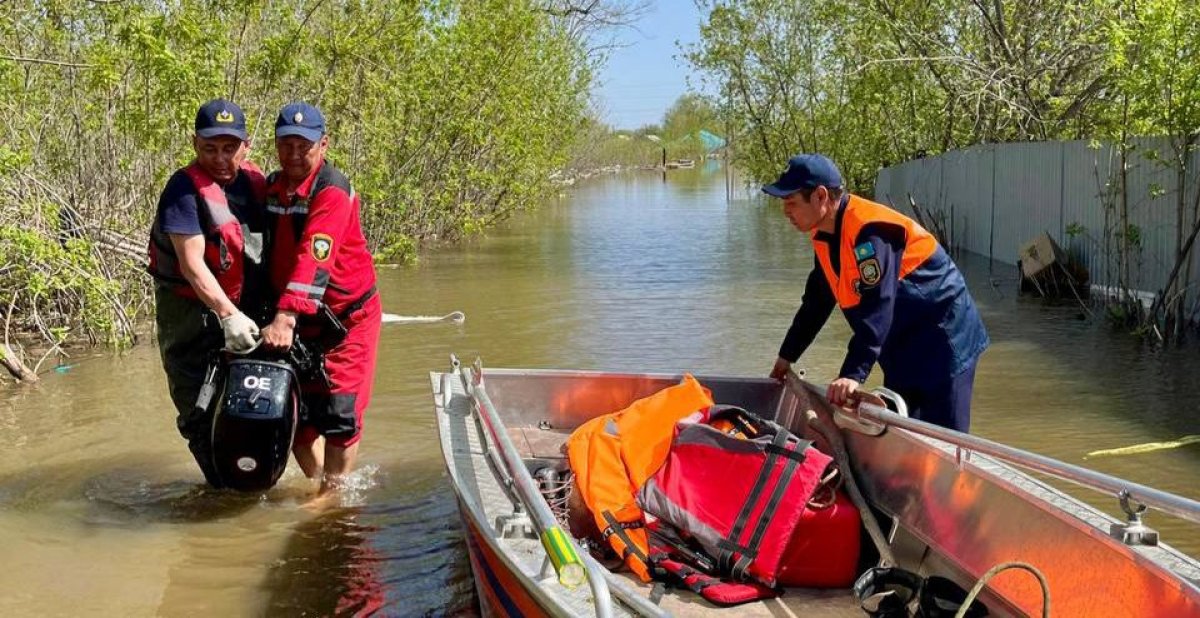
point(456, 317)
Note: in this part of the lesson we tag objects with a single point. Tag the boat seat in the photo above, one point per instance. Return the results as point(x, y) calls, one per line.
point(534, 443)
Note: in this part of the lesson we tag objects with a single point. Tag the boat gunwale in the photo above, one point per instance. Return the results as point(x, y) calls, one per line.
point(475, 510)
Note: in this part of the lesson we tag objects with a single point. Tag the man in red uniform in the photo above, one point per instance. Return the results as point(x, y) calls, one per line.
point(323, 272)
point(205, 248)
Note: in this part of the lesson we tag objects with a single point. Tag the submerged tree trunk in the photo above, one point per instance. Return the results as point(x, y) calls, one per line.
point(12, 362)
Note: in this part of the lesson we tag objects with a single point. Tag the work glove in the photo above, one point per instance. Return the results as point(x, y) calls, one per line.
point(241, 333)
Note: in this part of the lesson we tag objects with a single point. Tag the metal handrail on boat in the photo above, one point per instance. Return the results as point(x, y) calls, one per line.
point(1162, 501)
point(525, 487)
point(1154, 498)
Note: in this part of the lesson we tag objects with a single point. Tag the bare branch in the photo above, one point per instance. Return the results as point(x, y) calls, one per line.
point(57, 63)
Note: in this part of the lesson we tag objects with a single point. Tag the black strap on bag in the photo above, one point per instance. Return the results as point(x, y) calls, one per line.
point(332, 326)
point(678, 547)
point(618, 528)
point(735, 557)
point(330, 329)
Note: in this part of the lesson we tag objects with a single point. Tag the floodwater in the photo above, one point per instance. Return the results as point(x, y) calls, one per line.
point(102, 511)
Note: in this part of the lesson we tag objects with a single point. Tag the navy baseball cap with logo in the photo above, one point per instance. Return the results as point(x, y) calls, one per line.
point(220, 117)
point(300, 119)
point(805, 171)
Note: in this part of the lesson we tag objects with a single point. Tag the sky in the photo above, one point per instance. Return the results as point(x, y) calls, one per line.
point(643, 78)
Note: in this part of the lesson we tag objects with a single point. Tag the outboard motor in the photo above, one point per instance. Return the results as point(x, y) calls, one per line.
point(255, 405)
point(254, 422)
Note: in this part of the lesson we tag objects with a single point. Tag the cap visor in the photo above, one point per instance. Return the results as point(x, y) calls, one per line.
point(219, 131)
point(777, 191)
point(311, 135)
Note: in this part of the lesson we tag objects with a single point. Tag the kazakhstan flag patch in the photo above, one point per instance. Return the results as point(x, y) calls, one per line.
point(864, 251)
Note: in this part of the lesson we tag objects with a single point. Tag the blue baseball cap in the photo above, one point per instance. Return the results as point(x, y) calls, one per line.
point(300, 119)
point(805, 171)
point(220, 117)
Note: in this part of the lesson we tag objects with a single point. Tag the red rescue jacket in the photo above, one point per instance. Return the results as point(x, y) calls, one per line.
point(319, 254)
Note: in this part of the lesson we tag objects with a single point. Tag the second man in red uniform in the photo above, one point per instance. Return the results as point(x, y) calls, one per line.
point(323, 272)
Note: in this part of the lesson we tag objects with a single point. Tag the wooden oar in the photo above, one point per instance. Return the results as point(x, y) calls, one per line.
point(457, 317)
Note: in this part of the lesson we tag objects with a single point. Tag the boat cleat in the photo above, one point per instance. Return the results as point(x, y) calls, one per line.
point(515, 525)
point(1133, 531)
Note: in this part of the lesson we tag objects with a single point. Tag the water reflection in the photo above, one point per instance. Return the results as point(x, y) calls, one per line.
point(118, 499)
point(398, 559)
point(328, 568)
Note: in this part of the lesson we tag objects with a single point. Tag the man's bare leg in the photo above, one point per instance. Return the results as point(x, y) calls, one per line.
point(339, 462)
point(311, 457)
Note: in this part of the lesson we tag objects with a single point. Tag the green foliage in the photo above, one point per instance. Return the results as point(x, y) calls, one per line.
point(600, 145)
point(875, 82)
point(56, 283)
point(1152, 49)
point(402, 249)
point(682, 123)
point(1132, 237)
point(447, 116)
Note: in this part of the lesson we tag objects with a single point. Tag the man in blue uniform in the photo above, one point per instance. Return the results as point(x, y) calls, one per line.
point(906, 302)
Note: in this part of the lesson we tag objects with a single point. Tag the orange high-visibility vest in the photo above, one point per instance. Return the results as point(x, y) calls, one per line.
point(919, 245)
point(613, 455)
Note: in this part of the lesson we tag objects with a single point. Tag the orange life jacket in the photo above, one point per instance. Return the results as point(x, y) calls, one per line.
point(919, 246)
point(224, 241)
point(613, 455)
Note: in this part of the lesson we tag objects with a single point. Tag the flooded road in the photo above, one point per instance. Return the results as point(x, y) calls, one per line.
point(101, 511)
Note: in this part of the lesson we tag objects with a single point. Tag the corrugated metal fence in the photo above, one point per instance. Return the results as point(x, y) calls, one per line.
point(997, 197)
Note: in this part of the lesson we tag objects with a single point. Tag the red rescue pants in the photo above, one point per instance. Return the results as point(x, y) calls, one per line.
point(335, 410)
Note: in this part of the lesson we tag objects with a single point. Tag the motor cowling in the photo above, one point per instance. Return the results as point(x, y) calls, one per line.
point(254, 423)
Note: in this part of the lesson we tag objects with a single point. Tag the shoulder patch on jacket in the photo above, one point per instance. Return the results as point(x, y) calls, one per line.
point(864, 251)
point(321, 247)
point(868, 271)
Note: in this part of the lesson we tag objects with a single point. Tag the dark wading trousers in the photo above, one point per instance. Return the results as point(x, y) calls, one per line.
point(188, 336)
point(948, 404)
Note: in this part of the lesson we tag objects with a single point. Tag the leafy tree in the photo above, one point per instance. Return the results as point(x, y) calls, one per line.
point(1153, 46)
point(872, 82)
point(684, 120)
